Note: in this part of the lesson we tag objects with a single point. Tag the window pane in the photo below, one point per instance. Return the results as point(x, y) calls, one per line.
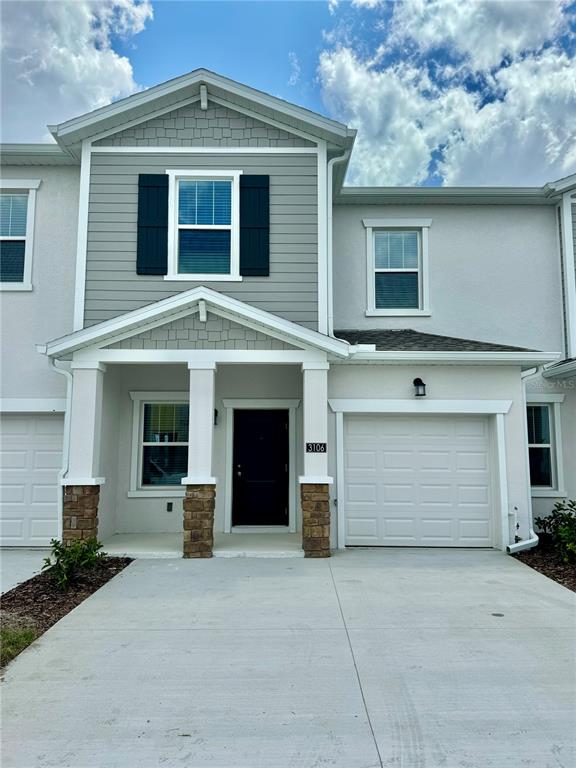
point(204, 201)
point(396, 250)
point(538, 424)
point(12, 261)
point(164, 465)
point(166, 423)
point(13, 210)
point(382, 250)
point(396, 290)
point(540, 467)
point(204, 251)
point(187, 202)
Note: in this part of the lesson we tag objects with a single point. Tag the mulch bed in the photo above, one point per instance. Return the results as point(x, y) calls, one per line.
point(40, 603)
point(545, 560)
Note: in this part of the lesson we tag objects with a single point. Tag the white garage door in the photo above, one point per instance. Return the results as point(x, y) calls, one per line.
point(418, 481)
point(30, 459)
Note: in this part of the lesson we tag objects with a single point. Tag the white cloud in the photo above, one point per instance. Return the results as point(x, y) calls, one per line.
point(58, 61)
point(294, 69)
point(415, 111)
point(483, 31)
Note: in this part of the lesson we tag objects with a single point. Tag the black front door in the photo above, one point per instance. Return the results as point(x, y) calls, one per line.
point(260, 468)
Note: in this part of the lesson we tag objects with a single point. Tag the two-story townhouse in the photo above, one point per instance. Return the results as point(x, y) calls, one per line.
point(218, 337)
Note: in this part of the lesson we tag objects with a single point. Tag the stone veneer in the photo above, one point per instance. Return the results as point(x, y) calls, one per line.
point(315, 501)
point(199, 505)
point(80, 513)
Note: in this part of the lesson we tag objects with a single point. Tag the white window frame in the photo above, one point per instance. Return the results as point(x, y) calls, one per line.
point(21, 186)
point(553, 403)
point(421, 226)
point(174, 177)
point(139, 400)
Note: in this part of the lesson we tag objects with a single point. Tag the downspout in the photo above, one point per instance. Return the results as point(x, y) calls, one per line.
point(331, 163)
point(66, 442)
point(532, 540)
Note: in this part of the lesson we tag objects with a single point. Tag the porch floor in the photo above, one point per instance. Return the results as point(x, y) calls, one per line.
point(155, 545)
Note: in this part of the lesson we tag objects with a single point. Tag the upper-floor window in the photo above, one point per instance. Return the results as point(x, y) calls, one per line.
point(17, 204)
point(397, 266)
point(545, 445)
point(203, 225)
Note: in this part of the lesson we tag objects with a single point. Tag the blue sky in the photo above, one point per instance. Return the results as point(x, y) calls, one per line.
point(441, 91)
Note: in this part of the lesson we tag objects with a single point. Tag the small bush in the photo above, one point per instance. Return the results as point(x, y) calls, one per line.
point(70, 560)
point(559, 529)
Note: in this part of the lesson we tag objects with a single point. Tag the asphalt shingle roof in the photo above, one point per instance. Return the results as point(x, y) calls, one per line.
point(396, 340)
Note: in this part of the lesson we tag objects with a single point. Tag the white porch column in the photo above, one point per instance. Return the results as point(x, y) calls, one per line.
point(85, 425)
point(315, 423)
point(201, 424)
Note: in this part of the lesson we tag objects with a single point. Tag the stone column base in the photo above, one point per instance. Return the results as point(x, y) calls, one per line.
point(199, 505)
point(315, 502)
point(80, 512)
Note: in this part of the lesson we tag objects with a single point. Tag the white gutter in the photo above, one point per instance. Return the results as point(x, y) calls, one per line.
point(66, 443)
point(329, 205)
point(521, 545)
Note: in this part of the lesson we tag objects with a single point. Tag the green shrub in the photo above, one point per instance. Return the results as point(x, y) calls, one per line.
point(559, 529)
point(70, 559)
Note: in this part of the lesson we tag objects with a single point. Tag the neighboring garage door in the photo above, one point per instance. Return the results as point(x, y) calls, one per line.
point(417, 481)
point(30, 459)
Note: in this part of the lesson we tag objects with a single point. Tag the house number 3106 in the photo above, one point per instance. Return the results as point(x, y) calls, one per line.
point(315, 447)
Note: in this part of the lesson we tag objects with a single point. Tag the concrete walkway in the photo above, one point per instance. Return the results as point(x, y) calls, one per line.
point(18, 565)
point(398, 658)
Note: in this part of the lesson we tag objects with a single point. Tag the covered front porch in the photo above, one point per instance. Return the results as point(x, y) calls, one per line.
point(201, 435)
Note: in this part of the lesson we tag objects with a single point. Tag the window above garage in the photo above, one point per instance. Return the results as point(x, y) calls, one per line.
point(17, 205)
point(397, 267)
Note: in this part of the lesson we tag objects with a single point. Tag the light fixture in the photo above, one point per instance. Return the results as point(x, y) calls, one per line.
point(419, 388)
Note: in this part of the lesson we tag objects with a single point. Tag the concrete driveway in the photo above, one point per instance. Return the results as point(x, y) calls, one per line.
point(18, 565)
point(400, 658)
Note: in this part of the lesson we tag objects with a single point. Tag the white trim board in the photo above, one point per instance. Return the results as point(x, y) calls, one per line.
point(166, 150)
point(230, 406)
point(419, 406)
point(82, 236)
point(32, 405)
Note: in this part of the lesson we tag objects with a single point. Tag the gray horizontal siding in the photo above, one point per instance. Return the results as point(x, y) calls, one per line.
point(193, 127)
point(112, 285)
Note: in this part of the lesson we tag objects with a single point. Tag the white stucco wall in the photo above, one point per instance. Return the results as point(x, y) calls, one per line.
point(34, 317)
point(494, 273)
point(447, 383)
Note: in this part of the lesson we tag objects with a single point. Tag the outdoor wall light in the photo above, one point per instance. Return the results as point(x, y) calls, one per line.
point(419, 388)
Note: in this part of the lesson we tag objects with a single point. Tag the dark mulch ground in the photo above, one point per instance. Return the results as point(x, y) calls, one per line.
point(545, 560)
point(39, 603)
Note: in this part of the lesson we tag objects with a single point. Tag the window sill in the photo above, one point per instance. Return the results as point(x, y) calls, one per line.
point(205, 278)
point(15, 286)
point(398, 313)
point(547, 493)
point(169, 493)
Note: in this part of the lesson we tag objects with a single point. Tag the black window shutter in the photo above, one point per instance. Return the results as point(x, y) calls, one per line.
point(152, 247)
point(254, 225)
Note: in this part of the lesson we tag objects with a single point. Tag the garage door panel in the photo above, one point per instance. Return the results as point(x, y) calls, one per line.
point(30, 460)
point(432, 481)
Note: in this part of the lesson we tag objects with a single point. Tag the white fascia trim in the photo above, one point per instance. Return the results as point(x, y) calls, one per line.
point(493, 358)
point(262, 404)
point(315, 480)
point(197, 358)
point(322, 239)
point(569, 268)
point(538, 398)
point(382, 405)
point(397, 223)
point(560, 371)
point(166, 150)
point(82, 237)
point(188, 299)
point(7, 184)
point(82, 481)
point(32, 405)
